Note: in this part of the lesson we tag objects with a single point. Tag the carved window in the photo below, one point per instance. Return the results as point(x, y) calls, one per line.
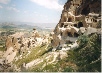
point(95, 20)
point(75, 25)
point(69, 34)
point(51, 41)
point(91, 19)
point(69, 19)
point(61, 33)
point(65, 26)
point(80, 24)
point(62, 24)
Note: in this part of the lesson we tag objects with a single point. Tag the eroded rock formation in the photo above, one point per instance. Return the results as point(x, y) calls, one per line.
point(78, 17)
point(21, 44)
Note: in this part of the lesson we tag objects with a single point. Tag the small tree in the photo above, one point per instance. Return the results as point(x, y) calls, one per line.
point(83, 39)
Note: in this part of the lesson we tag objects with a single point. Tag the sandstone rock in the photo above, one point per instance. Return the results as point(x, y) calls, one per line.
point(78, 17)
point(9, 51)
point(10, 57)
point(8, 42)
point(35, 33)
point(15, 43)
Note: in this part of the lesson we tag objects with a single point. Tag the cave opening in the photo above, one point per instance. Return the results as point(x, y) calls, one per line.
point(62, 24)
point(65, 26)
point(69, 34)
point(61, 33)
point(51, 41)
point(91, 19)
point(69, 19)
point(80, 24)
point(95, 20)
point(85, 11)
point(75, 25)
point(76, 34)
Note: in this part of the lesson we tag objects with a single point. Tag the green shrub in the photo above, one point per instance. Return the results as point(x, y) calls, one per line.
point(68, 69)
point(83, 39)
point(87, 56)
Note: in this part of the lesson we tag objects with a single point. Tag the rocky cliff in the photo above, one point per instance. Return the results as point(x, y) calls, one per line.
point(78, 17)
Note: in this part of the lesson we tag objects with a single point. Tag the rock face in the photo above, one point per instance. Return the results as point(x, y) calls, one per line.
point(78, 17)
point(12, 46)
point(12, 42)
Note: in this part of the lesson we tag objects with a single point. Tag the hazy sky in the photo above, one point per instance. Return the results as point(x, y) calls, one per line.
point(36, 11)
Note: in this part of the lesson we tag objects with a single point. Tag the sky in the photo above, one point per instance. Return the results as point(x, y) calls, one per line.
point(36, 11)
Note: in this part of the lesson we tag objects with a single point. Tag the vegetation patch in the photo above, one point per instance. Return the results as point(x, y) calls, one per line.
point(88, 55)
point(33, 55)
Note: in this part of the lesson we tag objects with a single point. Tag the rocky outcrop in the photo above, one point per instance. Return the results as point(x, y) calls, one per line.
point(78, 17)
point(20, 43)
point(12, 46)
point(35, 33)
point(12, 42)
